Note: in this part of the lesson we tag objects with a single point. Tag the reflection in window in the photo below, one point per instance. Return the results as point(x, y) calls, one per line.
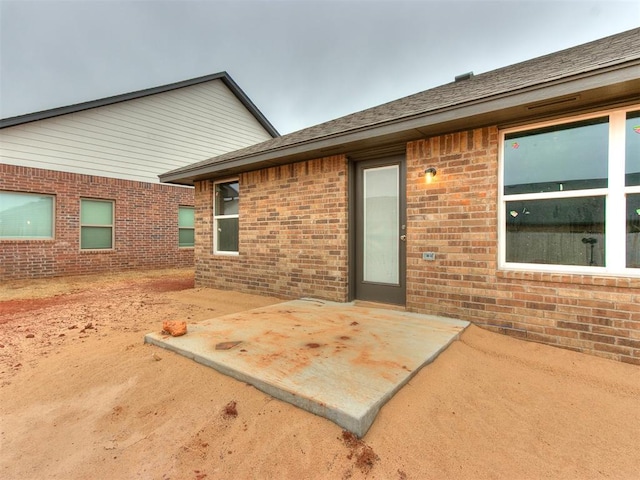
point(26, 216)
point(633, 231)
point(632, 149)
point(560, 231)
point(563, 157)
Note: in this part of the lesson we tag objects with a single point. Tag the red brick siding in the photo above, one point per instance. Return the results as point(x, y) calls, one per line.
point(293, 232)
point(456, 217)
point(146, 231)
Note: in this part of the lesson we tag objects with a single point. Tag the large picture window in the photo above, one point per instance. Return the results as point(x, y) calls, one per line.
point(570, 195)
point(226, 217)
point(96, 224)
point(26, 216)
point(186, 227)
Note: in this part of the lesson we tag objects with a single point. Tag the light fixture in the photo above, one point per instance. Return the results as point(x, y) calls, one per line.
point(429, 173)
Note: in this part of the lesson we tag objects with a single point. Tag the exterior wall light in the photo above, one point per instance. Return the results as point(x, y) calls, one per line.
point(429, 173)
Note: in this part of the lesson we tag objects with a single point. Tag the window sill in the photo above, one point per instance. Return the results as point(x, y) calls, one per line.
point(30, 240)
point(589, 279)
point(101, 250)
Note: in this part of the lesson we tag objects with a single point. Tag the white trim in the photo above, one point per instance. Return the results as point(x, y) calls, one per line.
point(616, 207)
point(615, 197)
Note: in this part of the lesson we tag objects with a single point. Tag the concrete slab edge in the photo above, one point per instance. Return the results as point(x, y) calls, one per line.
point(375, 408)
point(358, 426)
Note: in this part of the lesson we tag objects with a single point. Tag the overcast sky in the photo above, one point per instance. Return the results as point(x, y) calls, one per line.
point(301, 62)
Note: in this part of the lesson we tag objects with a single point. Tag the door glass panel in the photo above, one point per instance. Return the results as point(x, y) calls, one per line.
point(381, 225)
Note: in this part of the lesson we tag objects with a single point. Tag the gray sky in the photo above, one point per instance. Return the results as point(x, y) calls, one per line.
point(301, 62)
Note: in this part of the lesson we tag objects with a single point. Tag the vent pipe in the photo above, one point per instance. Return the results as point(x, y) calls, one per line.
point(464, 76)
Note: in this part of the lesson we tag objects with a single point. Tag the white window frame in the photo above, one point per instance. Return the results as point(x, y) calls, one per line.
point(53, 217)
point(112, 226)
point(222, 217)
point(615, 198)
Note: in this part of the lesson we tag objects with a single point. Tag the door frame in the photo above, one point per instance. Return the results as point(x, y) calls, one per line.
point(355, 168)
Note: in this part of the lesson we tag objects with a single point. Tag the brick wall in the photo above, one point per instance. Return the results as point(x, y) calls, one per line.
point(146, 231)
point(293, 232)
point(293, 243)
point(456, 217)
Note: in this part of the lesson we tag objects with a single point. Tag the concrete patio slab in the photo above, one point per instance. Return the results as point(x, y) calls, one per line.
point(340, 361)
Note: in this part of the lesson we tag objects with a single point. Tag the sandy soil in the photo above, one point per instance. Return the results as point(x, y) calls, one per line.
point(82, 397)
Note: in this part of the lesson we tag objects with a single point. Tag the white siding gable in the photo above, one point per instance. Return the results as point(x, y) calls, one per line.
point(137, 139)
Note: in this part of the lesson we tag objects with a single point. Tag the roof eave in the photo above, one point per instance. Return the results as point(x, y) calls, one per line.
point(419, 125)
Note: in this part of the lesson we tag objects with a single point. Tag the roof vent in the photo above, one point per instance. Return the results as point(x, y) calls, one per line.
point(464, 76)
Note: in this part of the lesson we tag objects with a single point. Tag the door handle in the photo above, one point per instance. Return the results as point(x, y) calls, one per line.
point(403, 238)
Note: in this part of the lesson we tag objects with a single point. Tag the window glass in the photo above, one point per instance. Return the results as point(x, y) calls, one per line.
point(632, 150)
point(95, 238)
point(96, 212)
point(560, 231)
point(226, 217)
point(186, 238)
point(96, 224)
point(227, 235)
point(227, 198)
point(186, 223)
point(633, 231)
point(26, 216)
point(562, 157)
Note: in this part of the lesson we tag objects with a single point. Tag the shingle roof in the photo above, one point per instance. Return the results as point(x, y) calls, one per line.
point(590, 57)
point(222, 76)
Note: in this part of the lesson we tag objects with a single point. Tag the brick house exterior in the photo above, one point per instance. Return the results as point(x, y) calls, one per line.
point(141, 224)
point(112, 150)
point(294, 248)
point(298, 203)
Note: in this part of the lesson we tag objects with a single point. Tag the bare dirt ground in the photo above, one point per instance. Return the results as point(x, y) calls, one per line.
point(81, 397)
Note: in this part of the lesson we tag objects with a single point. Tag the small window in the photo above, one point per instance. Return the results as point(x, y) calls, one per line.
point(96, 224)
point(226, 217)
point(186, 227)
point(26, 216)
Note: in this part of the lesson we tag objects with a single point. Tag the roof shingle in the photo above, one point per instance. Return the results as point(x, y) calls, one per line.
point(593, 56)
